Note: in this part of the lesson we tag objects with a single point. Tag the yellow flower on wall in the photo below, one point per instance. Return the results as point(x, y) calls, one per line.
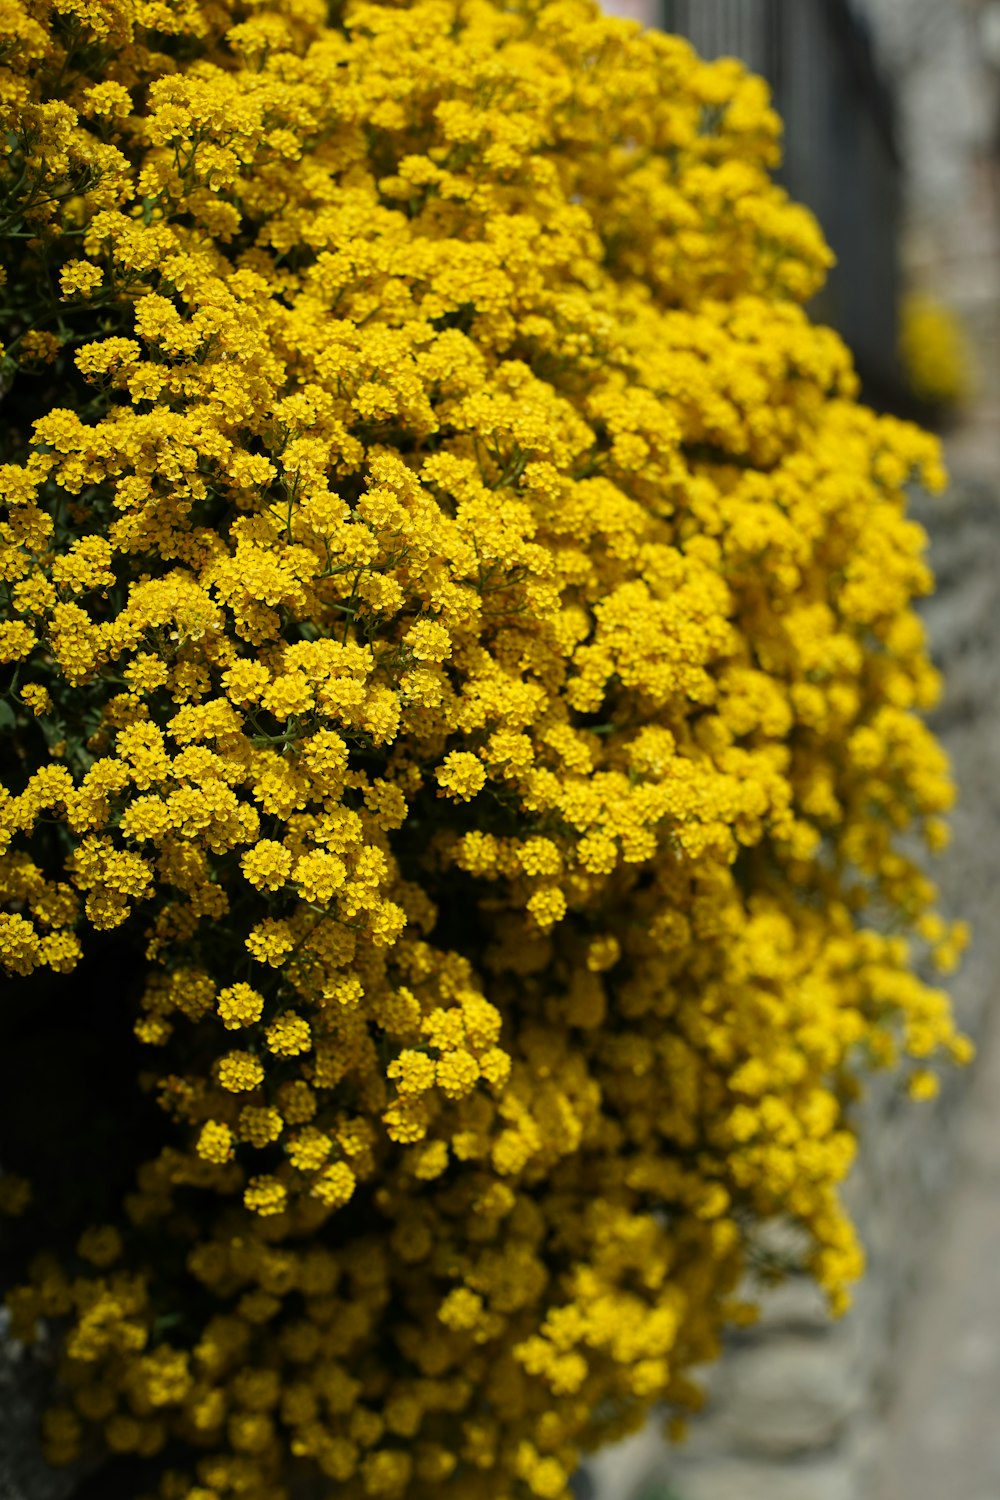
point(457, 612)
point(937, 358)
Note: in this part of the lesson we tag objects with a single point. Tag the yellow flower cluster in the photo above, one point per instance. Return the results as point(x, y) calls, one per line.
point(935, 351)
point(457, 608)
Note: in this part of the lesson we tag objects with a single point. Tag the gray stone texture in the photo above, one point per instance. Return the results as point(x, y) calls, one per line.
point(942, 1436)
point(24, 1475)
point(736, 1479)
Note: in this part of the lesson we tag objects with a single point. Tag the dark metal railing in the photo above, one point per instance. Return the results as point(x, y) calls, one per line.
point(841, 153)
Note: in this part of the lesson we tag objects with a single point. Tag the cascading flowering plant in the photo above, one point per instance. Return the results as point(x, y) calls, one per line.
point(456, 609)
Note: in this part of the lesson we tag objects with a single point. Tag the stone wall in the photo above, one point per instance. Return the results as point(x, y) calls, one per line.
point(943, 57)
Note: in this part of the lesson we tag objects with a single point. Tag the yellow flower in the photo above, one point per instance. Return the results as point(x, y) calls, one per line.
point(309, 1149)
point(265, 1196)
point(37, 697)
point(239, 1072)
point(547, 906)
point(289, 1036)
point(108, 98)
point(79, 278)
point(260, 1125)
point(429, 641)
point(215, 1142)
point(935, 351)
point(240, 1005)
point(335, 1185)
point(17, 640)
point(923, 1085)
point(470, 630)
point(461, 775)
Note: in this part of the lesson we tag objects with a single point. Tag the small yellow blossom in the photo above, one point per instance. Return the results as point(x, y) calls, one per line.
point(37, 697)
point(215, 1142)
point(923, 1085)
point(79, 278)
point(239, 1072)
point(260, 1125)
point(289, 1035)
point(335, 1185)
point(265, 1195)
point(240, 1005)
point(461, 775)
point(309, 1149)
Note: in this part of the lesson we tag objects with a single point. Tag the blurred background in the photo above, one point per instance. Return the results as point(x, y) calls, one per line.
point(892, 137)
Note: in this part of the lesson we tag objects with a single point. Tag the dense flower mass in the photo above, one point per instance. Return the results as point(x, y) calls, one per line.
point(457, 609)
